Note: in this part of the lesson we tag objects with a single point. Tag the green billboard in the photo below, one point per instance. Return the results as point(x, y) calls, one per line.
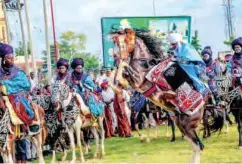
point(158, 26)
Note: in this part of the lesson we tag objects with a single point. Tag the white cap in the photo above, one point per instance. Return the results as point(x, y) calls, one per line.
point(174, 37)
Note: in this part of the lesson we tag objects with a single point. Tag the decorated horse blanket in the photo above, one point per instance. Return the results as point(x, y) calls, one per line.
point(168, 76)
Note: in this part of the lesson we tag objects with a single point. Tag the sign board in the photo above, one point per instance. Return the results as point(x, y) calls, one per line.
point(159, 27)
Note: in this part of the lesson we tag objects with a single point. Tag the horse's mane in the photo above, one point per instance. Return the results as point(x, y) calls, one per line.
point(153, 44)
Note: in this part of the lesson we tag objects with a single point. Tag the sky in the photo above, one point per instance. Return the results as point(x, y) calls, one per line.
point(84, 16)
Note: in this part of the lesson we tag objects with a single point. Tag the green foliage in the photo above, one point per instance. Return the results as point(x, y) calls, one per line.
point(228, 42)
point(72, 45)
point(44, 58)
point(195, 42)
point(19, 51)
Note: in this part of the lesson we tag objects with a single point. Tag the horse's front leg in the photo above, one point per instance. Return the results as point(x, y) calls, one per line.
point(37, 140)
point(96, 138)
point(78, 125)
point(100, 120)
point(71, 136)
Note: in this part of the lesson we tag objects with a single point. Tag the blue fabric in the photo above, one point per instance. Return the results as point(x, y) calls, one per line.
point(95, 107)
point(27, 107)
point(17, 84)
point(186, 52)
point(137, 101)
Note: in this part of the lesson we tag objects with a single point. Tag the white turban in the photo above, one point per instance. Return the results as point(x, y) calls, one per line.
point(174, 37)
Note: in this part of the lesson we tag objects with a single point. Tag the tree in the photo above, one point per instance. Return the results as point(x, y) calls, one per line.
point(195, 42)
point(72, 46)
point(44, 58)
point(228, 42)
point(19, 51)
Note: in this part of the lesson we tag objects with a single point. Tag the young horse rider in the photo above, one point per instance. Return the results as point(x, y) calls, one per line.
point(84, 85)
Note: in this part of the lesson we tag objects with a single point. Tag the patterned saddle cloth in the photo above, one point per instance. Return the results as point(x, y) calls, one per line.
point(169, 76)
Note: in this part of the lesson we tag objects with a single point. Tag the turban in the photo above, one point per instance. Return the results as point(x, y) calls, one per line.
point(5, 49)
point(62, 62)
point(237, 41)
point(174, 38)
point(207, 50)
point(104, 84)
point(76, 62)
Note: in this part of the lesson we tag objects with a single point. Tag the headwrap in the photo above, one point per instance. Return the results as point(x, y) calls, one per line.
point(76, 62)
point(237, 41)
point(5, 49)
point(104, 84)
point(207, 50)
point(62, 62)
point(174, 38)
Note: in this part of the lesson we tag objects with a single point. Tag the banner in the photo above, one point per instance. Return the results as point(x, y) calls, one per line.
point(159, 27)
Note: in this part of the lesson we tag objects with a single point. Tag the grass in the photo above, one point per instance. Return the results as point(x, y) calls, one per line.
point(218, 148)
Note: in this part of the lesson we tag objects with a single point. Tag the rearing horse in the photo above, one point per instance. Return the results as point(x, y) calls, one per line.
point(140, 53)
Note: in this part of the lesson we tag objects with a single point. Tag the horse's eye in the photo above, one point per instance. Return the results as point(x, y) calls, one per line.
point(143, 63)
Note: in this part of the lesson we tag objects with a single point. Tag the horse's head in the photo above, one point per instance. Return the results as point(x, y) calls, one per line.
point(138, 52)
point(59, 93)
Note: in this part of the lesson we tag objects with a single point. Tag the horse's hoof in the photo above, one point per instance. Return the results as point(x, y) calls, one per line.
point(173, 140)
point(240, 147)
point(82, 160)
point(52, 162)
point(73, 161)
point(95, 155)
point(147, 140)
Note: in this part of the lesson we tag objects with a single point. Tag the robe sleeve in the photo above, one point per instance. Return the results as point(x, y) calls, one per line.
point(17, 84)
point(90, 83)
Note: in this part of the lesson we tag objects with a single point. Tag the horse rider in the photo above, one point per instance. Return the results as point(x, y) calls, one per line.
point(84, 85)
point(236, 61)
point(189, 60)
point(62, 75)
point(17, 85)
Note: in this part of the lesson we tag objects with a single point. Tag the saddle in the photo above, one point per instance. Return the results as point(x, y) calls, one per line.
point(171, 79)
point(32, 128)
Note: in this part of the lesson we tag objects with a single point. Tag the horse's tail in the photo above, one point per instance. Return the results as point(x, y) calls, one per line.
point(217, 120)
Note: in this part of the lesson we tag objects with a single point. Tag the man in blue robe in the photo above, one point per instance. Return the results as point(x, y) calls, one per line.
point(17, 85)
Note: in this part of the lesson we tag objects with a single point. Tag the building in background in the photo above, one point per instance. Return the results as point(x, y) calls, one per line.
point(3, 29)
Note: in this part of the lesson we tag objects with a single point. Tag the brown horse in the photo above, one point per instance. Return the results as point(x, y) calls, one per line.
point(139, 53)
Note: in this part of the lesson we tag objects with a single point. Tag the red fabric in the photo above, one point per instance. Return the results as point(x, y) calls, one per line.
point(20, 110)
point(123, 123)
point(108, 128)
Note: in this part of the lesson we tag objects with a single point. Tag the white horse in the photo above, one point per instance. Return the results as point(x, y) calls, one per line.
point(71, 105)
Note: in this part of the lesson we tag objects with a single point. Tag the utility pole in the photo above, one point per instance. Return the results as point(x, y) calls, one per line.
point(30, 40)
point(23, 39)
point(47, 44)
point(6, 22)
point(53, 28)
point(154, 7)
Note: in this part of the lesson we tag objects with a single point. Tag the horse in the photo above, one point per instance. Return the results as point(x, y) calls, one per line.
point(10, 129)
point(71, 105)
point(142, 109)
point(222, 82)
point(139, 54)
point(236, 107)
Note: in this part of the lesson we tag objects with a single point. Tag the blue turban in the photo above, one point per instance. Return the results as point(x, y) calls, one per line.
point(76, 62)
point(5, 49)
point(62, 62)
point(237, 41)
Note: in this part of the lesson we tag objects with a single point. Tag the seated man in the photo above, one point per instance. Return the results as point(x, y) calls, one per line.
point(17, 85)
